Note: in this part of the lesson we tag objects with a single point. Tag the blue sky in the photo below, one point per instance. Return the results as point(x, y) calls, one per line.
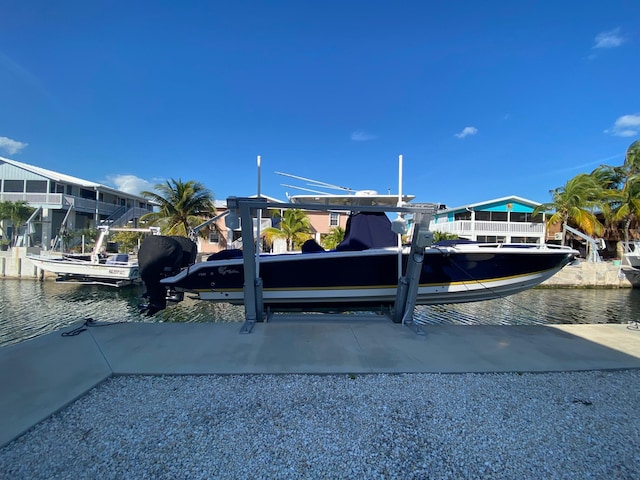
point(483, 99)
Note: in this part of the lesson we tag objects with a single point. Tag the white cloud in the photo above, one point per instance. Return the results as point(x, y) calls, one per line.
point(11, 146)
point(466, 131)
point(610, 39)
point(626, 126)
point(362, 136)
point(130, 183)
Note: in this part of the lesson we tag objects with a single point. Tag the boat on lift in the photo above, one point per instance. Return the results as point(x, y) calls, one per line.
point(363, 272)
point(97, 268)
point(631, 254)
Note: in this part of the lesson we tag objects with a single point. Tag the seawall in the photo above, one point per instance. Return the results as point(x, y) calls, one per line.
point(595, 275)
point(15, 264)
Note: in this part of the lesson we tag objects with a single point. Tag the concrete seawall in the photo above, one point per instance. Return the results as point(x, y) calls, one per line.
point(14, 264)
point(595, 275)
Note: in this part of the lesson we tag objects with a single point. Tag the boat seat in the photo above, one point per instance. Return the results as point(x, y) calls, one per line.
point(311, 246)
point(226, 254)
point(119, 258)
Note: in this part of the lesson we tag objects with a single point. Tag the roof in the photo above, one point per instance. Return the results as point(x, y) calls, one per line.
point(220, 204)
point(358, 199)
point(61, 177)
point(512, 198)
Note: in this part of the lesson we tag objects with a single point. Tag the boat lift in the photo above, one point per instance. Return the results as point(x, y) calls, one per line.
point(24, 239)
point(594, 245)
point(243, 209)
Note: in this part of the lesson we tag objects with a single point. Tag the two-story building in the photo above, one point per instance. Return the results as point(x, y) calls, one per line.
point(502, 220)
point(60, 198)
point(223, 237)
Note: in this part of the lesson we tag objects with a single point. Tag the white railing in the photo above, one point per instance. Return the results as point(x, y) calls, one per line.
point(59, 200)
point(467, 227)
point(44, 199)
point(129, 215)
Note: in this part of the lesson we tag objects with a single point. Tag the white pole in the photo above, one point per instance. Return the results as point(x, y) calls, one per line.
point(399, 180)
point(259, 219)
point(399, 205)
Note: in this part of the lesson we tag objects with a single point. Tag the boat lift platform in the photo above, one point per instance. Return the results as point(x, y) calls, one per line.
point(245, 208)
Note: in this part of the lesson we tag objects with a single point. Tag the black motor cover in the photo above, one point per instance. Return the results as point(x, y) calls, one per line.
point(189, 250)
point(159, 257)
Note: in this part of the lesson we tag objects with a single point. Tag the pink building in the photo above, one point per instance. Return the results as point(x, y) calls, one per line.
point(224, 237)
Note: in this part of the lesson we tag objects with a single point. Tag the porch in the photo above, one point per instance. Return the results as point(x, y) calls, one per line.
point(504, 232)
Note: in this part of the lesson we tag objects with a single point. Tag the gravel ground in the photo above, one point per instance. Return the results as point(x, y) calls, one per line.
point(580, 425)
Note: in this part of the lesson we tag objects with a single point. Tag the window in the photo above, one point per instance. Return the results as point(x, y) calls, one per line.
point(525, 240)
point(526, 217)
point(214, 237)
point(88, 194)
point(491, 216)
point(520, 217)
point(36, 186)
point(462, 216)
point(334, 219)
point(491, 239)
point(14, 186)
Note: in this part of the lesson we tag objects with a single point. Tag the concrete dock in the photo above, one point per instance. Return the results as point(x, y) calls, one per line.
point(40, 376)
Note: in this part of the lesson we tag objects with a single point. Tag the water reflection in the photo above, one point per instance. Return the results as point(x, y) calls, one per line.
point(539, 307)
point(29, 308)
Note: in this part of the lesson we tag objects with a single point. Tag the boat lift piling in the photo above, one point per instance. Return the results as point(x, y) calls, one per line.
point(243, 208)
point(408, 283)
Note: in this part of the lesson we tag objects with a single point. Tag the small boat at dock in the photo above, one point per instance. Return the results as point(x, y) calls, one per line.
point(97, 268)
point(631, 254)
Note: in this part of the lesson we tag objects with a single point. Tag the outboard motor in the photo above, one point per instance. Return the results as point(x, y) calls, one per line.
point(160, 257)
point(189, 250)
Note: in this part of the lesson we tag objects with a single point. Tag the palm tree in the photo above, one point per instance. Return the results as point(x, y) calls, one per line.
point(295, 228)
point(17, 213)
point(440, 236)
point(182, 206)
point(627, 201)
point(575, 203)
point(632, 158)
point(332, 239)
point(609, 179)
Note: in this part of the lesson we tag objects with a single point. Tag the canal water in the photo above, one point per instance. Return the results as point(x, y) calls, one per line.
point(29, 308)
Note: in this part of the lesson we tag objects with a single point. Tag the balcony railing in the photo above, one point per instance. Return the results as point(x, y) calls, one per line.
point(47, 200)
point(60, 200)
point(465, 228)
